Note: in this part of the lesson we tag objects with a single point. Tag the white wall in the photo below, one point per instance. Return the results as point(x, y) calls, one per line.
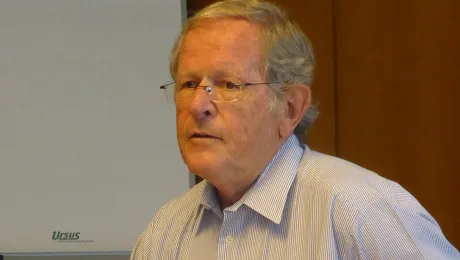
point(87, 140)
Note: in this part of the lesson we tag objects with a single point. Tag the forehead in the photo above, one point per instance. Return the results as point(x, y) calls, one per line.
point(221, 44)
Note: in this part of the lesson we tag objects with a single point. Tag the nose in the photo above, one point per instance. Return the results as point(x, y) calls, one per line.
point(201, 106)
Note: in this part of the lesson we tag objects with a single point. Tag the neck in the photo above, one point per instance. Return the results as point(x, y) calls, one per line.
point(232, 185)
point(228, 193)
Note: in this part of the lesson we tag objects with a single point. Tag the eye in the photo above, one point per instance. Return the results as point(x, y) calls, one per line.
point(231, 86)
point(189, 84)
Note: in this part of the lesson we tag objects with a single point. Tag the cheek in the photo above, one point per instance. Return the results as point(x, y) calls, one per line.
point(263, 124)
point(181, 119)
point(242, 129)
point(238, 123)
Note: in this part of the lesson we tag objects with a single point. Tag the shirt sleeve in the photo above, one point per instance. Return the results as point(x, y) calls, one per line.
point(400, 229)
point(144, 248)
point(141, 249)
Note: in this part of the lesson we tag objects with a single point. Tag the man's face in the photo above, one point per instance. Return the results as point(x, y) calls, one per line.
point(225, 141)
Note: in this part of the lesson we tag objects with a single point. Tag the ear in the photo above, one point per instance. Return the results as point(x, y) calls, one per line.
point(296, 103)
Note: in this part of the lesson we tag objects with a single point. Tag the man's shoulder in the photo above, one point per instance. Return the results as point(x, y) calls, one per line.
point(343, 180)
point(170, 221)
point(351, 191)
point(183, 205)
point(371, 216)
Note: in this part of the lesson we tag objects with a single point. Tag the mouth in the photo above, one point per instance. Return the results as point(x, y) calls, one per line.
point(202, 136)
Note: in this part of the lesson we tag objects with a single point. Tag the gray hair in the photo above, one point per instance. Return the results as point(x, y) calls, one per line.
point(289, 57)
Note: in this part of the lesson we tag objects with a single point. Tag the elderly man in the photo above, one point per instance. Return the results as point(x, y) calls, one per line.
point(242, 72)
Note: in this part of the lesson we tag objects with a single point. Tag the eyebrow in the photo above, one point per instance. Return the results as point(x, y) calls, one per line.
point(212, 75)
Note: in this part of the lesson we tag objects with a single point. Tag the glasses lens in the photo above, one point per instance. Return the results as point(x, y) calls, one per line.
point(183, 95)
point(217, 93)
point(169, 92)
point(224, 93)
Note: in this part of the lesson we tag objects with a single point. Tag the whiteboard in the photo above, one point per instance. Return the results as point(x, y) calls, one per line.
point(88, 148)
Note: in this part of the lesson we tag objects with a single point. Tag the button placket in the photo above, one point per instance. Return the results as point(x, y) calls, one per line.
point(229, 240)
point(228, 227)
point(229, 233)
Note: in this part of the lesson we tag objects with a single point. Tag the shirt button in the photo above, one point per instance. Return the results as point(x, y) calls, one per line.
point(229, 239)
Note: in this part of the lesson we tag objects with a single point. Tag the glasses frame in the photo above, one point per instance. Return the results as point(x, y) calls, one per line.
point(208, 89)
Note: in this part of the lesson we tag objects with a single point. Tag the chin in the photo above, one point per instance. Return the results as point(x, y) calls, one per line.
point(202, 166)
point(201, 157)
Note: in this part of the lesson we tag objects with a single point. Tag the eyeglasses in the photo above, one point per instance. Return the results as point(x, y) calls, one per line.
point(220, 92)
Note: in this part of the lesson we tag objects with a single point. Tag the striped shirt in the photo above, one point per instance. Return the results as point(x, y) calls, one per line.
point(305, 205)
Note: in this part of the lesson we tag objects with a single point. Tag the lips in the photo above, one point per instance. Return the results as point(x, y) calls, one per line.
point(203, 135)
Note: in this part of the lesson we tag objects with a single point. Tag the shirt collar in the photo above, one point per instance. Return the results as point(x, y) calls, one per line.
point(268, 194)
